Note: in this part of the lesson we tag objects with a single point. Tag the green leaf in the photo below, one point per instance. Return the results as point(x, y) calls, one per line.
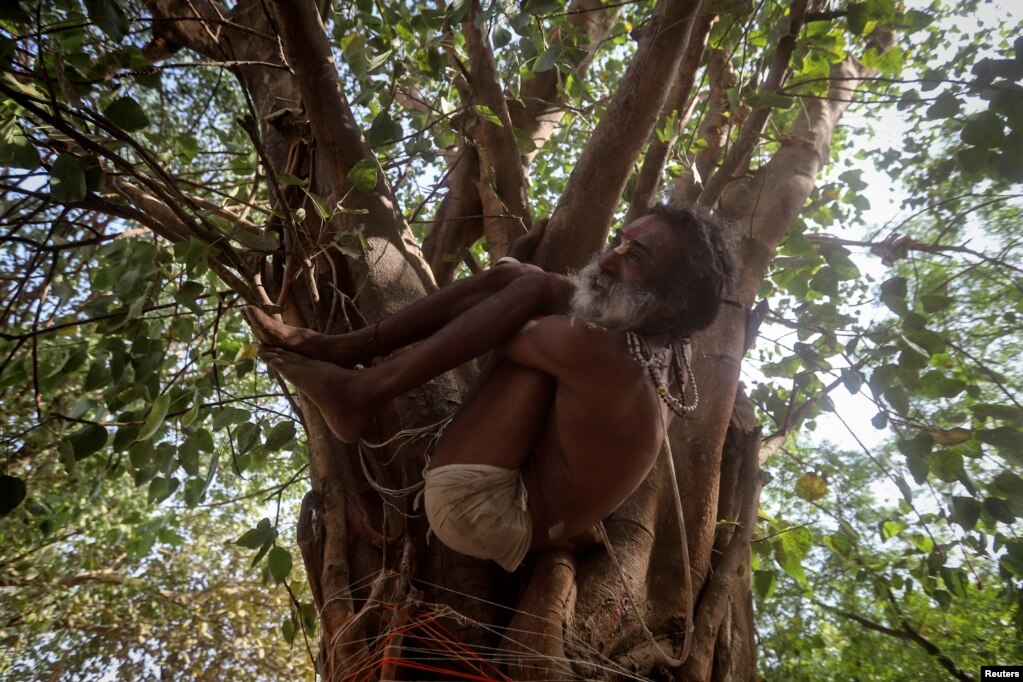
point(535, 7)
point(825, 281)
point(789, 550)
point(288, 630)
point(487, 114)
point(246, 436)
point(841, 544)
point(154, 420)
point(109, 17)
point(890, 529)
point(187, 295)
point(309, 617)
point(363, 175)
point(1005, 438)
point(280, 435)
point(852, 380)
point(161, 488)
point(379, 60)
point(212, 472)
point(985, 130)
point(262, 535)
point(761, 100)
point(260, 554)
point(947, 465)
point(318, 204)
point(945, 106)
point(525, 143)
point(1009, 413)
point(16, 150)
point(973, 159)
point(279, 563)
point(1011, 565)
point(921, 542)
point(965, 511)
point(955, 580)
point(1007, 485)
point(228, 416)
point(547, 60)
point(87, 440)
point(383, 130)
point(856, 18)
point(811, 487)
point(140, 455)
point(67, 179)
point(765, 583)
point(288, 179)
point(999, 510)
point(907, 493)
point(12, 493)
point(127, 114)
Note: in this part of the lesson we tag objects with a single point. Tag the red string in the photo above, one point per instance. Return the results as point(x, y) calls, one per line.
point(431, 634)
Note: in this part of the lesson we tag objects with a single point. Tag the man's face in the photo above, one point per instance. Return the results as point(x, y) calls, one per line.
point(617, 288)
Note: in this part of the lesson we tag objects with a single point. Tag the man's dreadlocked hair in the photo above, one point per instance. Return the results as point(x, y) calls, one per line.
point(706, 268)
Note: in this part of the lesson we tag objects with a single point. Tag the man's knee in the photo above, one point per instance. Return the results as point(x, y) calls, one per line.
point(550, 291)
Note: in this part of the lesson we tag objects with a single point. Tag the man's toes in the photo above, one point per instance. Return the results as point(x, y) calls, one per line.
point(268, 353)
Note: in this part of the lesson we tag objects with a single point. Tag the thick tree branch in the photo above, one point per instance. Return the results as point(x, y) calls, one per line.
point(898, 247)
point(502, 182)
point(713, 604)
point(580, 223)
point(910, 634)
point(242, 39)
point(459, 220)
point(535, 637)
point(535, 112)
point(657, 152)
point(540, 104)
point(340, 144)
point(719, 119)
point(739, 155)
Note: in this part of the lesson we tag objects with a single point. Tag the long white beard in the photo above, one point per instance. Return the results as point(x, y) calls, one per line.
point(612, 305)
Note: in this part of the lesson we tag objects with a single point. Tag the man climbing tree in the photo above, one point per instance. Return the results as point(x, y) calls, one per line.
point(569, 417)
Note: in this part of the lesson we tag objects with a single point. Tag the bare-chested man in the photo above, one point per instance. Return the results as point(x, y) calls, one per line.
point(569, 418)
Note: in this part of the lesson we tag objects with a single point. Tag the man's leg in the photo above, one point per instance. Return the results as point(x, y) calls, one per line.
point(349, 399)
point(500, 423)
point(474, 509)
point(418, 321)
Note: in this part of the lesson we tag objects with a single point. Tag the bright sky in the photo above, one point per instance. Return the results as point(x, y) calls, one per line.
point(884, 214)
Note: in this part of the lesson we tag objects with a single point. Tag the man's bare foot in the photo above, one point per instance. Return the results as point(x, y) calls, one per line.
point(342, 349)
point(328, 386)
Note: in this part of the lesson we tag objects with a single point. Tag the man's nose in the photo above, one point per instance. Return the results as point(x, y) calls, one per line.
point(608, 261)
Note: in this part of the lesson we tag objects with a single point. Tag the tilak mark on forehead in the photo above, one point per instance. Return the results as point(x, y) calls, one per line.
point(639, 227)
point(631, 232)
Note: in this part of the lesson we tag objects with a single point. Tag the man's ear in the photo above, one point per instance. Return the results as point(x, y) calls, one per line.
point(670, 310)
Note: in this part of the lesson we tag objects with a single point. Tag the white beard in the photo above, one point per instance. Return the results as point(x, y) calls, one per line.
point(612, 305)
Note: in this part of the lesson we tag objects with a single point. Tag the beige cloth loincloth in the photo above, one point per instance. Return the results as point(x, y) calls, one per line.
point(480, 510)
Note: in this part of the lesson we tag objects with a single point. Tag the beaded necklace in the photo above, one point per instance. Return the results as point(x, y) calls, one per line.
point(656, 362)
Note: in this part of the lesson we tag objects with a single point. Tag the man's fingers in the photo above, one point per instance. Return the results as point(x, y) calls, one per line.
point(523, 246)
